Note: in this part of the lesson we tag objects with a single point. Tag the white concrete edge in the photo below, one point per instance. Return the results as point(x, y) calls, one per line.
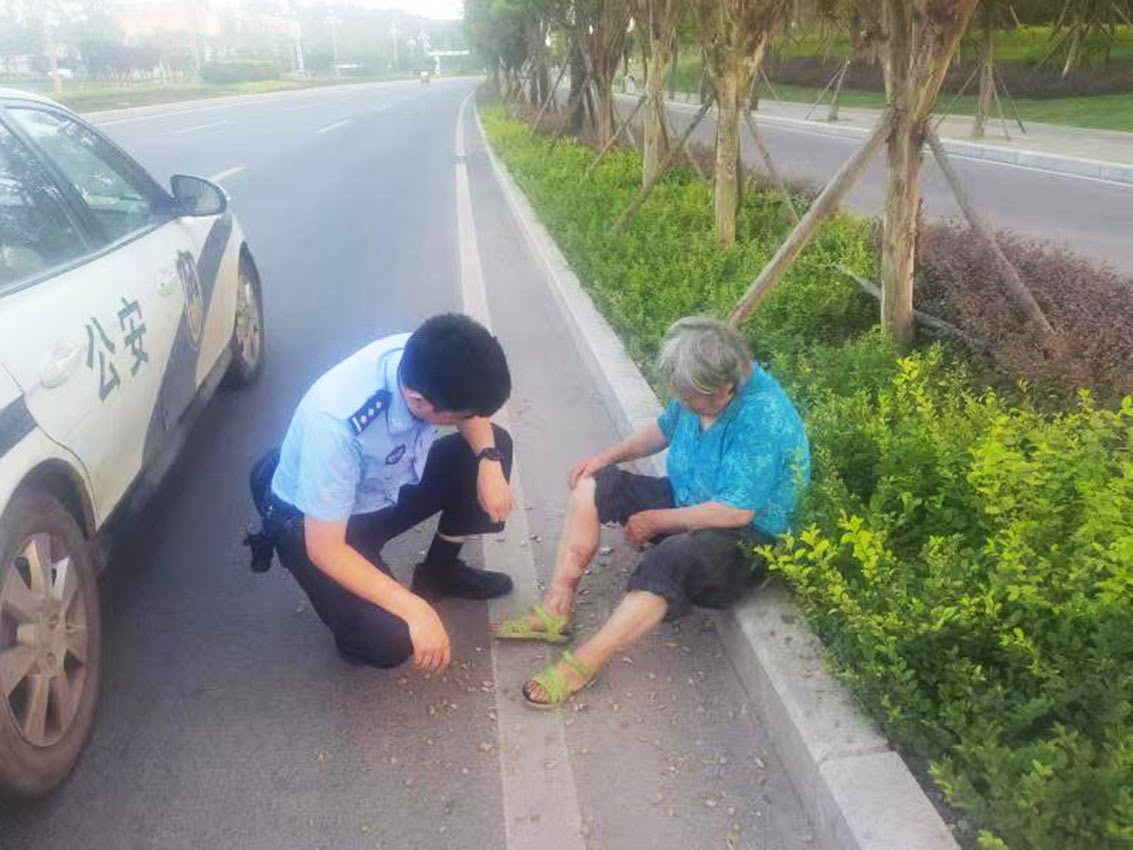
point(1071, 166)
point(857, 793)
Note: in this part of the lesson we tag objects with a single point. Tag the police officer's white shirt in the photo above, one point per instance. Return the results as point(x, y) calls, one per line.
point(343, 455)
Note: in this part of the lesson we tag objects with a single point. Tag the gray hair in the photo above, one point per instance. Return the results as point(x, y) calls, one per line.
point(700, 355)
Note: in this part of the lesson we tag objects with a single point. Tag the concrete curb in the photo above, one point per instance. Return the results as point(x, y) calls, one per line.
point(856, 791)
point(1097, 169)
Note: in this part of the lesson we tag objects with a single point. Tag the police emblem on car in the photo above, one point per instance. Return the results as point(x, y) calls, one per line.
point(194, 297)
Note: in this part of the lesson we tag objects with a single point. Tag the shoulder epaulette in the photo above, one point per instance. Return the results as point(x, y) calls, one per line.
point(365, 415)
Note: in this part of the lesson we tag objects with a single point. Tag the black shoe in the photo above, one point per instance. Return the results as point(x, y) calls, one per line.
point(459, 580)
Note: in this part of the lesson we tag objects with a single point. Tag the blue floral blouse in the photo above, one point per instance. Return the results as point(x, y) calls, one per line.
point(755, 456)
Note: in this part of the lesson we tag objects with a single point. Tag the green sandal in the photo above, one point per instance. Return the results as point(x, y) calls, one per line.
point(555, 684)
point(555, 629)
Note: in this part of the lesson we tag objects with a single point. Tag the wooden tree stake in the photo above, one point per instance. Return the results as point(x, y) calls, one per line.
point(833, 115)
point(669, 158)
point(551, 95)
point(822, 208)
point(1011, 277)
point(606, 148)
point(769, 164)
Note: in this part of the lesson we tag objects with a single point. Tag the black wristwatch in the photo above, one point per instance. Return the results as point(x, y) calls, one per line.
point(491, 453)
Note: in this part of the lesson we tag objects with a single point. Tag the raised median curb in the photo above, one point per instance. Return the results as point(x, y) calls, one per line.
point(857, 793)
point(1097, 169)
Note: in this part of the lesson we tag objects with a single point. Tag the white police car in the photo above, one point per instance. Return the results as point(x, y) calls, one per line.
point(122, 307)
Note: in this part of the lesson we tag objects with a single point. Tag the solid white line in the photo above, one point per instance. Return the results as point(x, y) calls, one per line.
point(199, 127)
point(539, 794)
point(336, 125)
point(228, 172)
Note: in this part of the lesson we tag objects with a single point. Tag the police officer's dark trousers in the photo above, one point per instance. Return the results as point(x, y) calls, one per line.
point(364, 632)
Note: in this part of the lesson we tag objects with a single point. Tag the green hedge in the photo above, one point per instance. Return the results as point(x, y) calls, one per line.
point(967, 559)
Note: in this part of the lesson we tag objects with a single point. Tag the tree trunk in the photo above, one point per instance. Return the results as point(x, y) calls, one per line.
point(604, 120)
point(656, 140)
point(577, 85)
point(922, 39)
point(731, 92)
point(902, 215)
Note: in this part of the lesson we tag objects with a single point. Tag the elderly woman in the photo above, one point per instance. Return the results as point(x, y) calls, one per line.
point(738, 456)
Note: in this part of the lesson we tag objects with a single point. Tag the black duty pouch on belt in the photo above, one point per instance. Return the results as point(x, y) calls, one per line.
point(276, 517)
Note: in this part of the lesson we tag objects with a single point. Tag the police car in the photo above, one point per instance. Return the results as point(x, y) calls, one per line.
point(122, 307)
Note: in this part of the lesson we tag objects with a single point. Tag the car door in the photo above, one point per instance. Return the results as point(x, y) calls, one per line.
point(89, 342)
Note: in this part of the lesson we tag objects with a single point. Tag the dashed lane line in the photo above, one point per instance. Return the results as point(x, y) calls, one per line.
point(539, 794)
point(335, 125)
point(199, 127)
point(228, 172)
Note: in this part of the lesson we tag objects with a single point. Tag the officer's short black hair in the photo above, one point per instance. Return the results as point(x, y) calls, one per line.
point(457, 365)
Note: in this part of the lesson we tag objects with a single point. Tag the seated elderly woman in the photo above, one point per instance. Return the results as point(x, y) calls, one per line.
point(738, 456)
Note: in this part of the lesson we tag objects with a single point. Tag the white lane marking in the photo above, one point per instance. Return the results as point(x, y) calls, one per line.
point(335, 125)
point(228, 172)
point(194, 129)
point(539, 794)
point(268, 98)
point(170, 114)
point(793, 125)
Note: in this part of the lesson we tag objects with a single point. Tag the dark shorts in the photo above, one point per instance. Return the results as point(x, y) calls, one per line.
point(711, 567)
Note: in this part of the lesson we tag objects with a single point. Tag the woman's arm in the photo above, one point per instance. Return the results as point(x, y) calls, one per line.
point(645, 441)
point(644, 526)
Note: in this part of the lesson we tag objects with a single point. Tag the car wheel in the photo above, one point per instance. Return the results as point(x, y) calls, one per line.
point(50, 644)
point(248, 334)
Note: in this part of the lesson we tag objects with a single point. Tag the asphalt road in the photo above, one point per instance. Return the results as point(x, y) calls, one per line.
point(1090, 217)
point(227, 720)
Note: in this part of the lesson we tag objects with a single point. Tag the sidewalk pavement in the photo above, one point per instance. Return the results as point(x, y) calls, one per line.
point(1103, 154)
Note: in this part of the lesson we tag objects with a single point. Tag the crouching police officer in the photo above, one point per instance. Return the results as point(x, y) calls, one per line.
point(360, 465)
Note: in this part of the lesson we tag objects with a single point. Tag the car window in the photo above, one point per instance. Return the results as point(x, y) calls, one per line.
point(118, 200)
point(35, 231)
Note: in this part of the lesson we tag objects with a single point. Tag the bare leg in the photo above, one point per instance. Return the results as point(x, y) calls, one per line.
point(577, 544)
point(636, 615)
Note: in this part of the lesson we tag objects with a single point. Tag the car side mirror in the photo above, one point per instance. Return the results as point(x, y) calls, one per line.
point(196, 196)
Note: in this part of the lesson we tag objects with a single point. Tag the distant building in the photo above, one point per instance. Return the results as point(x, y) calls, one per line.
point(143, 19)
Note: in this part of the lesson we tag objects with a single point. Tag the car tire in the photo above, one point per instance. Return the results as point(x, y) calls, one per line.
point(50, 644)
point(248, 331)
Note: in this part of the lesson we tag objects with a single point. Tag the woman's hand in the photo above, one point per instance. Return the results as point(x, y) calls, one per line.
point(586, 469)
point(641, 528)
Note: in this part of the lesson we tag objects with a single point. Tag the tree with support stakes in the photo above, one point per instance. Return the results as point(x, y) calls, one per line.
point(1085, 27)
point(919, 38)
point(734, 35)
point(602, 40)
point(658, 21)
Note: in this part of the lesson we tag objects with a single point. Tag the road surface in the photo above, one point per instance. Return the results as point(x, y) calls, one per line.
point(1085, 215)
point(227, 720)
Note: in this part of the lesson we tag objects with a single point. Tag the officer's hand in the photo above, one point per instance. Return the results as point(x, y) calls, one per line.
point(493, 490)
point(431, 649)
